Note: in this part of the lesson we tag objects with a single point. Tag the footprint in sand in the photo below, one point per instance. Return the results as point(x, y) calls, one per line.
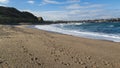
point(1, 60)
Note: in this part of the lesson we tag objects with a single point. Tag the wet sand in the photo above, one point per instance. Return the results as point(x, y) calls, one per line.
point(22, 47)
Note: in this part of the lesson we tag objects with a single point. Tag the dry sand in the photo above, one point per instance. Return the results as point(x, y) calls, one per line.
point(31, 48)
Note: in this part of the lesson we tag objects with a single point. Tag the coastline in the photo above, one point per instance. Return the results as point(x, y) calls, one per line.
point(59, 28)
point(33, 48)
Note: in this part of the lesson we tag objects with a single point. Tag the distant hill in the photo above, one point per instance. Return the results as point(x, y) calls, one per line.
point(10, 15)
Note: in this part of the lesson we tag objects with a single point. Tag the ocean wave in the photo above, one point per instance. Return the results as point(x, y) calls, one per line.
point(92, 35)
point(69, 24)
point(74, 23)
point(111, 26)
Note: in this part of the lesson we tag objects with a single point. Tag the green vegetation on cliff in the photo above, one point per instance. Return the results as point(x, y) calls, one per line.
point(9, 15)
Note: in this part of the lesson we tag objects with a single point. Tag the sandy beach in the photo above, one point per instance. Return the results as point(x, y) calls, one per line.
point(22, 47)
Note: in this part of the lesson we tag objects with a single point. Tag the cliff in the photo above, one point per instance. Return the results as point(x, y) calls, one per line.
point(9, 15)
point(40, 18)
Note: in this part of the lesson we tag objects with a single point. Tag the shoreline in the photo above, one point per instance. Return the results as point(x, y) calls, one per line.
point(27, 47)
point(89, 35)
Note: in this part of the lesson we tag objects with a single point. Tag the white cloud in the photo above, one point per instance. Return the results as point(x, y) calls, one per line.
point(57, 2)
point(49, 2)
point(82, 14)
point(86, 3)
point(76, 11)
point(52, 15)
point(73, 1)
point(31, 2)
point(3, 5)
point(78, 6)
point(74, 6)
point(4, 1)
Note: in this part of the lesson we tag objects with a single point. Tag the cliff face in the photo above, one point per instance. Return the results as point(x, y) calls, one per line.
point(40, 18)
point(10, 15)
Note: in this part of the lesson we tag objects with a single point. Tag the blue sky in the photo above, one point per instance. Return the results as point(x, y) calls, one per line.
point(67, 9)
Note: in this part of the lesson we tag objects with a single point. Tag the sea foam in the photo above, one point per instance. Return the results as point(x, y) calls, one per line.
point(92, 35)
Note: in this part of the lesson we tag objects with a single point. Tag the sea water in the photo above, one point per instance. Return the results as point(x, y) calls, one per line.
point(102, 31)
